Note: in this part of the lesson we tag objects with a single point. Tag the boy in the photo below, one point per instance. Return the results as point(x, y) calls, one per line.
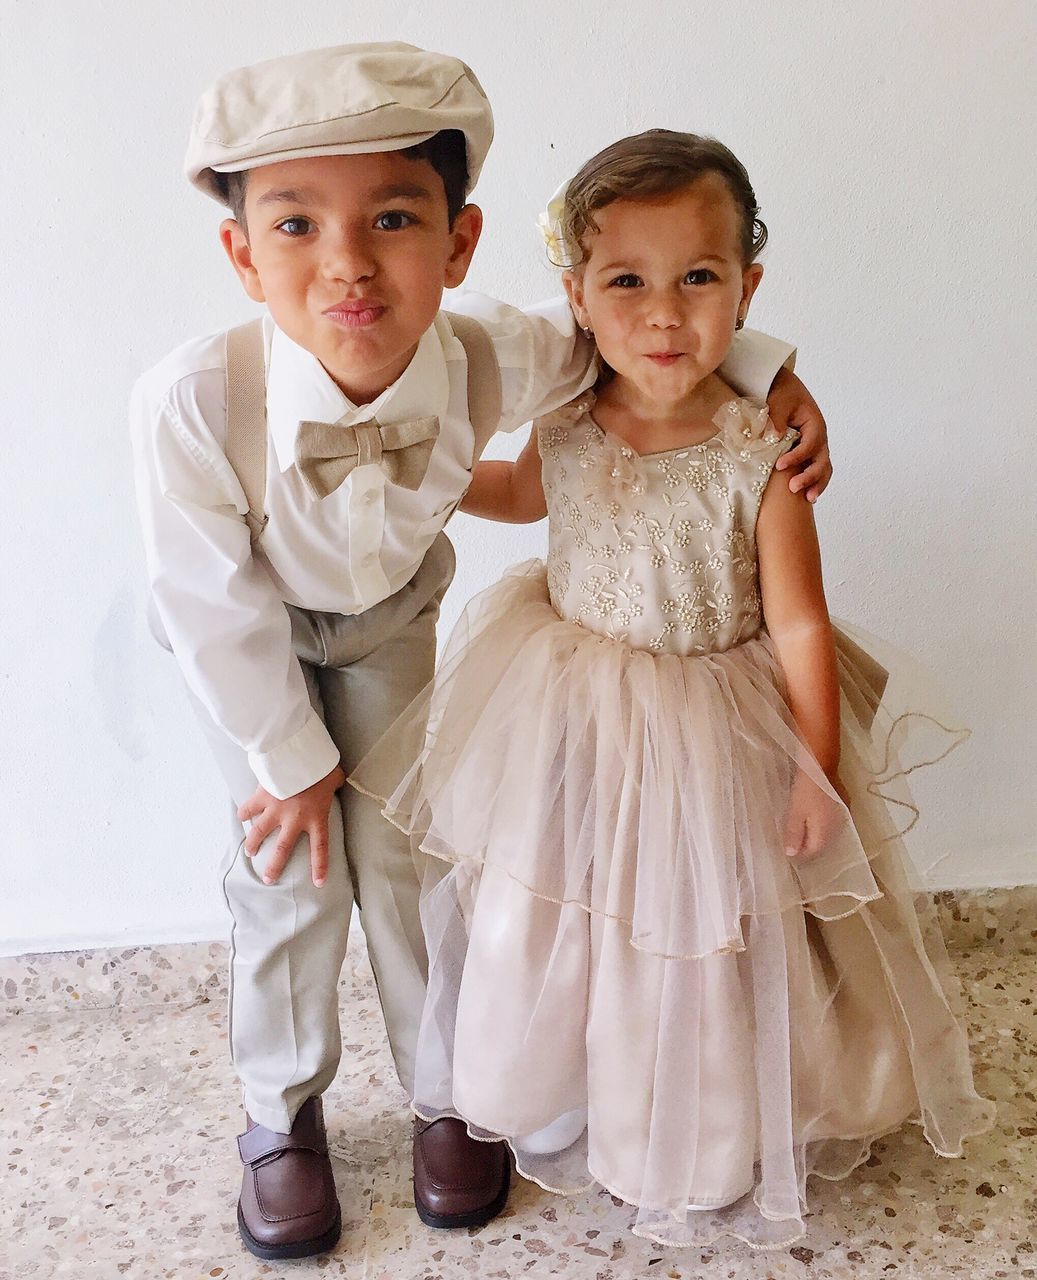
point(293, 529)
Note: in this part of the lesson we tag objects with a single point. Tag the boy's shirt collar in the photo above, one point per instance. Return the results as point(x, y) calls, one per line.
point(299, 388)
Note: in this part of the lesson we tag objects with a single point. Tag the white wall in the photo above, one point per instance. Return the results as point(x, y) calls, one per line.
point(892, 147)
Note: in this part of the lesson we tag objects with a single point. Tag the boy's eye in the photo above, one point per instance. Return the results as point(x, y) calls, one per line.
point(627, 281)
point(394, 220)
point(700, 276)
point(295, 226)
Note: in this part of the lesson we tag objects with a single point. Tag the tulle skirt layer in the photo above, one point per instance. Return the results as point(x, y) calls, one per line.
point(622, 951)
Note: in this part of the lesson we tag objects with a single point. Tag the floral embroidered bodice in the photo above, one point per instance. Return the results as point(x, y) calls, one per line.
point(658, 551)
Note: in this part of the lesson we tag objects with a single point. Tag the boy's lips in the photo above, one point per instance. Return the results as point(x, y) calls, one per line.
point(356, 313)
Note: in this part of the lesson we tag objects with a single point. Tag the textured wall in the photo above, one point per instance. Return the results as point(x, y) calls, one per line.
point(892, 150)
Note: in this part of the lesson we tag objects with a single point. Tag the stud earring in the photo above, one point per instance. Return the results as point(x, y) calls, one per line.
point(740, 322)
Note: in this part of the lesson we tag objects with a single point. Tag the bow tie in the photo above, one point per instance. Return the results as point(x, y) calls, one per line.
point(326, 452)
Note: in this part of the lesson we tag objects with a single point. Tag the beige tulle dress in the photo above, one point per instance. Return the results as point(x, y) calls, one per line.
point(620, 951)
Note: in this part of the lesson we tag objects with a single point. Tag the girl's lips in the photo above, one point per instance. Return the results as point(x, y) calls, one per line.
point(665, 357)
point(355, 315)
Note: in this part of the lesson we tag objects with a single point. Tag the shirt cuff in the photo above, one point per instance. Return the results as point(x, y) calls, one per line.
point(299, 762)
point(754, 361)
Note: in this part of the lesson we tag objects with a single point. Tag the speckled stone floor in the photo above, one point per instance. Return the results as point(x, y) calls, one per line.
point(118, 1108)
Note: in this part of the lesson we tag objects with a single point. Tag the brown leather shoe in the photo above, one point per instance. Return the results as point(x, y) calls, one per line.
point(288, 1206)
point(458, 1182)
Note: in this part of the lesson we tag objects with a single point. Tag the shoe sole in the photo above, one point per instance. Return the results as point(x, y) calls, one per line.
point(474, 1217)
point(297, 1249)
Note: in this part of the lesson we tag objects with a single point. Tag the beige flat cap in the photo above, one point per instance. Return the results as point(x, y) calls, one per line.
point(350, 99)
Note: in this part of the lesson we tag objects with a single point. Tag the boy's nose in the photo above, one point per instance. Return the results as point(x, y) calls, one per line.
point(349, 258)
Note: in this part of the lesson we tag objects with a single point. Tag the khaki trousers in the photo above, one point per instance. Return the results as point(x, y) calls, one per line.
point(288, 939)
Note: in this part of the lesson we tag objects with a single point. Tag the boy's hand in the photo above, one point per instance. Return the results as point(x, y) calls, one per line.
point(813, 817)
point(792, 405)
point(306, 812)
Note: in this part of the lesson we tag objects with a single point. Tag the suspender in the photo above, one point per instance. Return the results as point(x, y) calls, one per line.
point(246, 445)
point(484, 389)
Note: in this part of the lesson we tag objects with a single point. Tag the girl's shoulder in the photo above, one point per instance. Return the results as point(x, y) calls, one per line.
point(566, 416)
point(747, 435)
point(744, 424)
point(744, 431)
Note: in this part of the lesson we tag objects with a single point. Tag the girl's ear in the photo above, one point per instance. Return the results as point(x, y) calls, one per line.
point(751, 277)
point(573, 282)
point(235, 243)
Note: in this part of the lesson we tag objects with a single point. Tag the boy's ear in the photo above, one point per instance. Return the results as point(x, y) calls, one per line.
point(573, 282)
point(237, 248)
point(464, 235)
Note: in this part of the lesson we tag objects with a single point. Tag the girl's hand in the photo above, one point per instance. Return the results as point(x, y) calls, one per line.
point(813, 816)
point(298, 815)
point(791, 405)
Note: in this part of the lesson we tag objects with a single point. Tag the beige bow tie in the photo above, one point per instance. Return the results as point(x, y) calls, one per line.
point(326, 452)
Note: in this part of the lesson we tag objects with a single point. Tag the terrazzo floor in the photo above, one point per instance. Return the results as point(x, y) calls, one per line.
point(118, 1110)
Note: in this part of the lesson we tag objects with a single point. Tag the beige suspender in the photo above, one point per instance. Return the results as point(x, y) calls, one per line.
point(484, 388)
point(246, 444)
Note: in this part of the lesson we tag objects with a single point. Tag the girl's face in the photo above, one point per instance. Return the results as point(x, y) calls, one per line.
point(662, 285)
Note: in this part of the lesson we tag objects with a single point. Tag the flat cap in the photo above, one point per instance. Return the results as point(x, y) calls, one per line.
point(346, 100)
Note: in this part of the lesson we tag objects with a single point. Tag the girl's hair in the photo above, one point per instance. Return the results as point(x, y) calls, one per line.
point(655, 163)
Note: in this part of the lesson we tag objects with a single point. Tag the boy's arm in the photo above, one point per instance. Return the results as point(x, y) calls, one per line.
point(754, 361)
point(546, 361)
point(762, 367)
point(224, 618)
point(792, 405)
point(303, 814)
point(509, 491)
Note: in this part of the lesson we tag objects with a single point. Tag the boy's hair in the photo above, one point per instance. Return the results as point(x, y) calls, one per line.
point(445, 152)
point(655, 163)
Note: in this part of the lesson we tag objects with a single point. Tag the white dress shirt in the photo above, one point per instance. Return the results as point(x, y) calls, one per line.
point(222, 602)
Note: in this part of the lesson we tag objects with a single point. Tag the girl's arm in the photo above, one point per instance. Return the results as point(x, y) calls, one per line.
point(509, 491)
point(796, 615)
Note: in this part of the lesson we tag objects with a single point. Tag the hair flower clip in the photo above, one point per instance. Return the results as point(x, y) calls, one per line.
point(550, 225)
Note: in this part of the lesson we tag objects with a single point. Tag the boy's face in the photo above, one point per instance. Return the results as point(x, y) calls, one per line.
point(351, 254)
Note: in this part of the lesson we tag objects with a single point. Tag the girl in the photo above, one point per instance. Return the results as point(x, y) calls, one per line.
point(673, 949)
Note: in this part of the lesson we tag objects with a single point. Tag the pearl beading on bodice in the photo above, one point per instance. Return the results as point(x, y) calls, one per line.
point(658, 551)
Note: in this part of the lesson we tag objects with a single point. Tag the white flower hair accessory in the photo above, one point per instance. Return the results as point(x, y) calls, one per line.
point(550, 224)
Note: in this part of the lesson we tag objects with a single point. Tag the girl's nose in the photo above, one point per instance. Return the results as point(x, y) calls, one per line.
point(664, 311)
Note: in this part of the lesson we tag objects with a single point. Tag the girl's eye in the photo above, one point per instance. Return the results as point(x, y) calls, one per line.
point(701, 276)
point(394, 220)
point(628, 281)
point(295, 227)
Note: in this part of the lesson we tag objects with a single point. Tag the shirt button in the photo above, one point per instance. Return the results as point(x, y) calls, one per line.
point(370, 559)
point(370, 497)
